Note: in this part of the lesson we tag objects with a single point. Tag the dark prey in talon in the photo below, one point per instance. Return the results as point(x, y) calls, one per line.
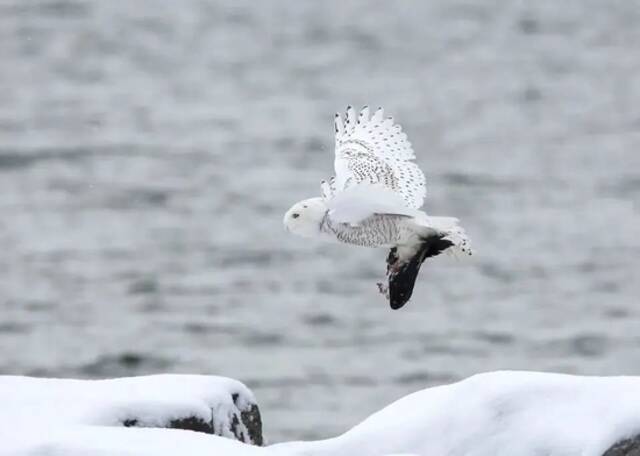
point(402, 274)
point(374, 200)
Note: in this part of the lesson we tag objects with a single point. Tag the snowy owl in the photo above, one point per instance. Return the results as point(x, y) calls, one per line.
point(374, 200)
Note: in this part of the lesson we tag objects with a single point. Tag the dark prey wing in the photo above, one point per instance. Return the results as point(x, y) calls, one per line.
point(402, 274)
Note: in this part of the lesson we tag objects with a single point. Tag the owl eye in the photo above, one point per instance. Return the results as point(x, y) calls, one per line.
point(295, 215)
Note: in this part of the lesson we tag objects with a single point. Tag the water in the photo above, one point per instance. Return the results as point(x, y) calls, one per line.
point(149, 150)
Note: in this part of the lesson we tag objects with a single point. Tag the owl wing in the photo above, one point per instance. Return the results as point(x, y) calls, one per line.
point(374, 150)
point(358, 202)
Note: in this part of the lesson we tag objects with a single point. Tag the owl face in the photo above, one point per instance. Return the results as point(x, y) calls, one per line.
point(305, 217)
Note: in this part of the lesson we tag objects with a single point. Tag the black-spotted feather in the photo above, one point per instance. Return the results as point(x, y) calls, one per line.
point(375, 150)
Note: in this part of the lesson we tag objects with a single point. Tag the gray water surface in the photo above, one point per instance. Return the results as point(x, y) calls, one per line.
point(149, 149)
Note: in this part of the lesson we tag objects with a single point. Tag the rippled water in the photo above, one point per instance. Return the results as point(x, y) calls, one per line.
point(148, 151)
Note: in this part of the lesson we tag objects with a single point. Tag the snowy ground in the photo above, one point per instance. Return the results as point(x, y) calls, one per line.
point(500, 413)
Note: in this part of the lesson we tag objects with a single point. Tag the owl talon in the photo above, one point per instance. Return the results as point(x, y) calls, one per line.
point(383, 289)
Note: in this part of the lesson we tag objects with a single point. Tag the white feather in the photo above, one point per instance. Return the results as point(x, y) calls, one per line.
point(359, 202)
point(376, 151)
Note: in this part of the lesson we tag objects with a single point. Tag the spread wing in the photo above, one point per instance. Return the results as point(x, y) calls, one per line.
point(375, 150)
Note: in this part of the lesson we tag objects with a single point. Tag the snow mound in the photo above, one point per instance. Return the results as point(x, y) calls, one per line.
point(206, 403)
point(78, 440)
point(500, 413)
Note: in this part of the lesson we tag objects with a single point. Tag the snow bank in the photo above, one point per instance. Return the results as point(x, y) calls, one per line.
point(78, 440)
point(501, 413)
point(210, 404)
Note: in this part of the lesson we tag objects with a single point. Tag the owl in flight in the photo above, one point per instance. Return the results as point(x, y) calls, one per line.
point(374, 200)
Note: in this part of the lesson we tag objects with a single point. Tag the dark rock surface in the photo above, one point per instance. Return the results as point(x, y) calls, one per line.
point(627, 447)
point(245, 424)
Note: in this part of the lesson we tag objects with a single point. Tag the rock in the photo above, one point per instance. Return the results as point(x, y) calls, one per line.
point(245, 423)
point(627, 447)
point(207, 404)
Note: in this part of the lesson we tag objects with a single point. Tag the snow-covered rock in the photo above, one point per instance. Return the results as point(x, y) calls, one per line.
point(500, 413)
point(215, 405)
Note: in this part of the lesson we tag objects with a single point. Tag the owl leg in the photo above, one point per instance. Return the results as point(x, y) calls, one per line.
point(392, 264)
point(392, 259)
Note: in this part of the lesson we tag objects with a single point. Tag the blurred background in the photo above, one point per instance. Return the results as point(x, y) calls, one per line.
point(148, 151)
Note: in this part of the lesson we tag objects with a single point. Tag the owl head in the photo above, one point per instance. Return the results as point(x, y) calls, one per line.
point(305, 217)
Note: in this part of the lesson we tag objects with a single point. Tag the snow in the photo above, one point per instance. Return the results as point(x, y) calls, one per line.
point(153, 401)
point(78, 440)
point(514, 413)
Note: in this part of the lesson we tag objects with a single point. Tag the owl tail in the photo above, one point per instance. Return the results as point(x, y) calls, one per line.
point(450, 227)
